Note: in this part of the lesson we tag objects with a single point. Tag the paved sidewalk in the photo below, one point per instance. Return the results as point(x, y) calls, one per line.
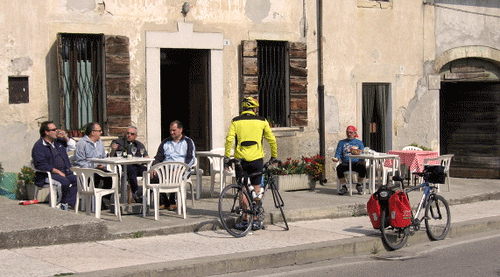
point(322, 225)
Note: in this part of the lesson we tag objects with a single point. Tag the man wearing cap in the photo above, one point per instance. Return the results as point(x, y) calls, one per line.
point(354, 146)
point(249, 129)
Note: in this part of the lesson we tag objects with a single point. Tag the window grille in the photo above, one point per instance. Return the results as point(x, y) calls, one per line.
point(81, 79)
point(274, 86)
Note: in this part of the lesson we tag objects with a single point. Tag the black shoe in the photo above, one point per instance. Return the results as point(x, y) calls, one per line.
point(137, 197)
point(256, 225)
point(243, 225)
point(343, 190)
point(359, 188)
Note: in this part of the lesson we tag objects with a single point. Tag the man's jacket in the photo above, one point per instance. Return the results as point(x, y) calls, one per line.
point(44, 160)
point(249, 131)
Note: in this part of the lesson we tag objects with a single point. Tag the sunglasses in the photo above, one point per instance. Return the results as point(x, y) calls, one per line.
point(100, 131)
point(132, 134)
point(51, 130)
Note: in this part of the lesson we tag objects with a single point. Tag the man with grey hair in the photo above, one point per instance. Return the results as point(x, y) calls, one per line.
point(125, 144)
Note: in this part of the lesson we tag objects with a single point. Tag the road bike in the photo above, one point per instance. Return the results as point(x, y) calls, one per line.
point(433, 209)
point(239, 202)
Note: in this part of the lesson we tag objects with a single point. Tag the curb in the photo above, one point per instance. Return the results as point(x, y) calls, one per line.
point(95, 230)
point(303, 254)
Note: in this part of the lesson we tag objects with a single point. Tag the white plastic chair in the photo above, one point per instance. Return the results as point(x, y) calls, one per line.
point(385, 170)
point(51, 186)
point(192, 171)
point(171, 176)
point(412, 148)
point(445, 161)
point(87, 189)
point(217, 167)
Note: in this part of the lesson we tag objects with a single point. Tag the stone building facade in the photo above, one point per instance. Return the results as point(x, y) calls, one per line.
point(160, 62)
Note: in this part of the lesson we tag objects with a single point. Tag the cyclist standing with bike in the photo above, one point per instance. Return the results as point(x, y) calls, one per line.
point(249, 129)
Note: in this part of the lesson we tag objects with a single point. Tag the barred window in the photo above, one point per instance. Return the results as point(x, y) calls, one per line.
point(80, 59)
point(273, 73)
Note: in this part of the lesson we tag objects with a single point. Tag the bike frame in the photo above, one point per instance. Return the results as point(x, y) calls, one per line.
point(243, 182)
point(428, 191)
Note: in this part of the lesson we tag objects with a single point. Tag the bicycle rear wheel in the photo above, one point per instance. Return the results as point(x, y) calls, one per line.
point(392, 238)
point(232, 202)
point(437, 217)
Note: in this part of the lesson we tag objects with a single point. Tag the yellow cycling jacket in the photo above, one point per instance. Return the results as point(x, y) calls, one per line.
point(249, 130)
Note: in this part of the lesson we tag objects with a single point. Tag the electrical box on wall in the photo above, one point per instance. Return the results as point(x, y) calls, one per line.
point(18, 90)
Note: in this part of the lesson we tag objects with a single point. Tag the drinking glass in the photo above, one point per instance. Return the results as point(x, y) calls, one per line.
point(143, 150)
point(133, 150)
point(119, 154)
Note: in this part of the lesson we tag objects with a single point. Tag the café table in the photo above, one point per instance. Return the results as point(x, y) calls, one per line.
point(115, 161)
point(374, 159)
point(414, 159)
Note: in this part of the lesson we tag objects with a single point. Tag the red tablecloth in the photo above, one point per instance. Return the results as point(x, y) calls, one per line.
point(414, 159)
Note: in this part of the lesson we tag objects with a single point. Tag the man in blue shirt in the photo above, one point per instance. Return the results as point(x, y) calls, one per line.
point(354, 146)
point(49, 154)
point(178, 148)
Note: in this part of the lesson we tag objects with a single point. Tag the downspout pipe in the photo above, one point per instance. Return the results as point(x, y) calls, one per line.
point(321, 87)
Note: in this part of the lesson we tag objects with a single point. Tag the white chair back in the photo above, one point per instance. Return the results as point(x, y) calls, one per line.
point(171, 177)
point(170, 173)
point(87, 189)
point(412, 148)
point(217, 167)
point(445, 161)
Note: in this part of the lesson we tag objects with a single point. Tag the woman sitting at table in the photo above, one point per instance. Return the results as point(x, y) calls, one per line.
point(354, 146)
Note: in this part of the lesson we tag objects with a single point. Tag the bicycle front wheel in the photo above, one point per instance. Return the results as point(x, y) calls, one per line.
point(437, 217)
point(234, 210)
point(392, 238)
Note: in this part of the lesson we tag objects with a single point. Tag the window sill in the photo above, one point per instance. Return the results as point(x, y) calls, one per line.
point(286, 131)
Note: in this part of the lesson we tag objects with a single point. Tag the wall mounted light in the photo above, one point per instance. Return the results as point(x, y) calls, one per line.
point(185, 9)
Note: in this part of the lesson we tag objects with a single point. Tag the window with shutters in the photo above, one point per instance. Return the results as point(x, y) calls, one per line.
point(275, 72)
point(94, 81)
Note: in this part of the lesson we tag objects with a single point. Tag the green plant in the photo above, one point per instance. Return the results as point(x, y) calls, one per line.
point(138, 235)
point(375, 249)
point(27, 175)
point(312, 166)
point(421, 147)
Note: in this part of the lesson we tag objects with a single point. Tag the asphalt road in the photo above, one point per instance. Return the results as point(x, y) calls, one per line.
point(472, 255)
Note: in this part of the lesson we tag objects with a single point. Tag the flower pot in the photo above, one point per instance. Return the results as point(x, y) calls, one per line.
point(294, 182)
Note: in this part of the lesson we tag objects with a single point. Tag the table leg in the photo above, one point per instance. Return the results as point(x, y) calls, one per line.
point(123, 182)
point(222, 173)
point(350, 177)
point(198, 179)
point(372, 172)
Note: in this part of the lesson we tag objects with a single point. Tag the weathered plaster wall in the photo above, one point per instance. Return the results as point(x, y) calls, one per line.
point(384, 45)
point(28, 48)
point(467, 23)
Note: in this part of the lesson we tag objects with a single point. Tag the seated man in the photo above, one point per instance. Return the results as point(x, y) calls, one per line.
point(177, 148)
point(91, 146)
point(49, 154)
point(354, 146)
point(125, 144)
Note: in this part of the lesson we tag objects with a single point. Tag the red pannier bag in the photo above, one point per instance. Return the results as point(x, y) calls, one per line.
point(399, 210)
point(374, 211)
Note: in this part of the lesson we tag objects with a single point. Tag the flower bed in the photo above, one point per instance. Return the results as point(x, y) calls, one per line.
point(299, 174)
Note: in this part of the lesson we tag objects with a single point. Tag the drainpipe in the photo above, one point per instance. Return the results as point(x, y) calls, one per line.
point(321, 87)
